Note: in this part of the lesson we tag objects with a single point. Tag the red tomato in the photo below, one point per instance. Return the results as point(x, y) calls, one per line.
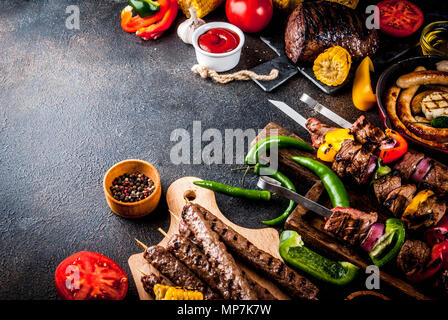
point(249, 15)
point(399, 18)
point(90, 276)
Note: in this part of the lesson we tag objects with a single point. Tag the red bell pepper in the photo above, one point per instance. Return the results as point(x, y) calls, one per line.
point(132, 24)
point(393, 151)
point(154, 31)
point(439, 261)
point(438, 233)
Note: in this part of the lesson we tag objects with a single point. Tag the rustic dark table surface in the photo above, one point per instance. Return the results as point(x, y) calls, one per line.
point(75, 102)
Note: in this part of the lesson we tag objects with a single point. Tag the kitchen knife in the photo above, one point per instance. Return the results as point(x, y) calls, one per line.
point(274, 186)
point(325, 111)
point(290, 112)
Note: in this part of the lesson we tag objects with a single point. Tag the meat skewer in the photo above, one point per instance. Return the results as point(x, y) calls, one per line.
point(275, 269)
point(230, 274)
point(176, 271)
point(150, 280)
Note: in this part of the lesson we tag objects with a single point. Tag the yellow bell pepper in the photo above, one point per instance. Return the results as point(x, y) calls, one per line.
point(421, 197)
point(362, 92)
point(333, 143)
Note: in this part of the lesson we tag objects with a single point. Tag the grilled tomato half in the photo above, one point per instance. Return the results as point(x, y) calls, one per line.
point(399, 18)
point(90, 276)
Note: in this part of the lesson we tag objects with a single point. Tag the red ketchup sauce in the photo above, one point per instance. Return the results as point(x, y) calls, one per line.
point(218, 40)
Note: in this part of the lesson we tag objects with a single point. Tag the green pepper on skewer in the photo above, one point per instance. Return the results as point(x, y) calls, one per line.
point(144, 8)
point(284, 180)
point(279, 141)
point(294, 252)
point(332, 183)
point(234, 191)
point(389, 244)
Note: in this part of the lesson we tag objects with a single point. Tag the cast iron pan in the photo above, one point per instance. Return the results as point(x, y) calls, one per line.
point(388, 78)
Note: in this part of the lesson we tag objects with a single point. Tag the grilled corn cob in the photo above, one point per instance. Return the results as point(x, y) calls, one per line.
point(202, 7)
point(176, 293)
point(332, 66)
point(349, 3)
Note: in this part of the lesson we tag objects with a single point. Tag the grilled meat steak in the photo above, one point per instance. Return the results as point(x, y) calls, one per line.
point(413, 255)
point(408, 163)
point(344, 157)
point(317, 130)
point(385, 185)
point(350, 225)
point(437, 178)
point(176, 271)
point(150, 280)
point(216, 253)
point(317, 25)
point(428, 214)
point(399, 199)
point(273, 268)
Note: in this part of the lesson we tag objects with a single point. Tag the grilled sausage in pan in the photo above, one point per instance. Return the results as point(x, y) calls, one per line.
point(423, 77)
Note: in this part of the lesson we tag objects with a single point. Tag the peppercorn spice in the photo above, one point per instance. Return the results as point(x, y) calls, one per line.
point(132, 187)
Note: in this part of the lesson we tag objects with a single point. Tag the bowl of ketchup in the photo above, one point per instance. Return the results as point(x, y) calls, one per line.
point(218, 45)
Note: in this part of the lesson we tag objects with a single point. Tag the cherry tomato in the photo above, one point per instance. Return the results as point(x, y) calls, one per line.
point(249, 15)
point(399, 18)
point(90, 276)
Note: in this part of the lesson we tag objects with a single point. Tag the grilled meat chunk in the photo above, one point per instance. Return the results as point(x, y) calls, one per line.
point(437, 178)
point(428, 214)
point(413, 255)
point(150, 280)
point(344, 157)
point(273, 268)
point(357, 168)
point(318, 131)
point(262, 292)
point(365, 132)
point(385, 185)
point(317, 25)
point(216, 253)
point(399, 199)
point(176, 271)
point(350, 225)
point(408, 163)
point(184, 250)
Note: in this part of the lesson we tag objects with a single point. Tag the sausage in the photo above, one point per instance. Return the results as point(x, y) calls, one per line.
point(422, 130)
point(184, 250)
point(176, 271)
point(262, 292)
point(150, 280)
point(273, 268)
point(230, 274)
point(391, 108)
point(423, 77)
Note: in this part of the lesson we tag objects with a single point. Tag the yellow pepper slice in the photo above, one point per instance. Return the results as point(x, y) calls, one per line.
point(333, 142)
point(332, 66)
point(421, 197)
point(362, 92)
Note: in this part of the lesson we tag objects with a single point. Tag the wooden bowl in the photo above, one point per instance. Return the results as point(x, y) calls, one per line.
point(132, 209)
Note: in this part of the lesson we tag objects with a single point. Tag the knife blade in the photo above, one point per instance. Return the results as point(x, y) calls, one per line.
point(290, 112)
point(272, 185)
point(325, 111)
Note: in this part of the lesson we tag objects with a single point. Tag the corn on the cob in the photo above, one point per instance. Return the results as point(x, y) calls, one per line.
point(349, 3)
point(176, 293)
point(202, 7)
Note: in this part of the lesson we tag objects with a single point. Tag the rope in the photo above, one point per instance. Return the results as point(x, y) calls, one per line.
point(205, 72)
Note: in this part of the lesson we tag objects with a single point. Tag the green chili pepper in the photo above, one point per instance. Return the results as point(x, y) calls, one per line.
point(280, 141)
point(234, 191)
point(294, 252)
point(284, 180)
point(389, 244)
point(440, 122)
point(381, 170)
point(332, 183)
point(144, 8)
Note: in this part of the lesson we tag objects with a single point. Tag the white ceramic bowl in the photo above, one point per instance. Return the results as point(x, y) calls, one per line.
point(218, 61)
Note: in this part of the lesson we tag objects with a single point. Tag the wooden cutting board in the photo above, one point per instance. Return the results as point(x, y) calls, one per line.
point(310, 225)
point(266, 239)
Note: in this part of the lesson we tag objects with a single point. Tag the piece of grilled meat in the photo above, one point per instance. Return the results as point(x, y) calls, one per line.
point(365, 132)
point(437, 178)
point(385, 185)
point(398, 199)
point(317, 130)
point(150, 280)
point(350, 225)
point(317, 25)
point(413, 256)
point(274, 269)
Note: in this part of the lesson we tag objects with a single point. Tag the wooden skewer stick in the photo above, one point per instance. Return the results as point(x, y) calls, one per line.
point(140, 270)
point(162, 232)
point(141, 244)
point(175, 216)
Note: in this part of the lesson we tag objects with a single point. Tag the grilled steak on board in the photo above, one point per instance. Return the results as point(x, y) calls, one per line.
point(317, 25)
